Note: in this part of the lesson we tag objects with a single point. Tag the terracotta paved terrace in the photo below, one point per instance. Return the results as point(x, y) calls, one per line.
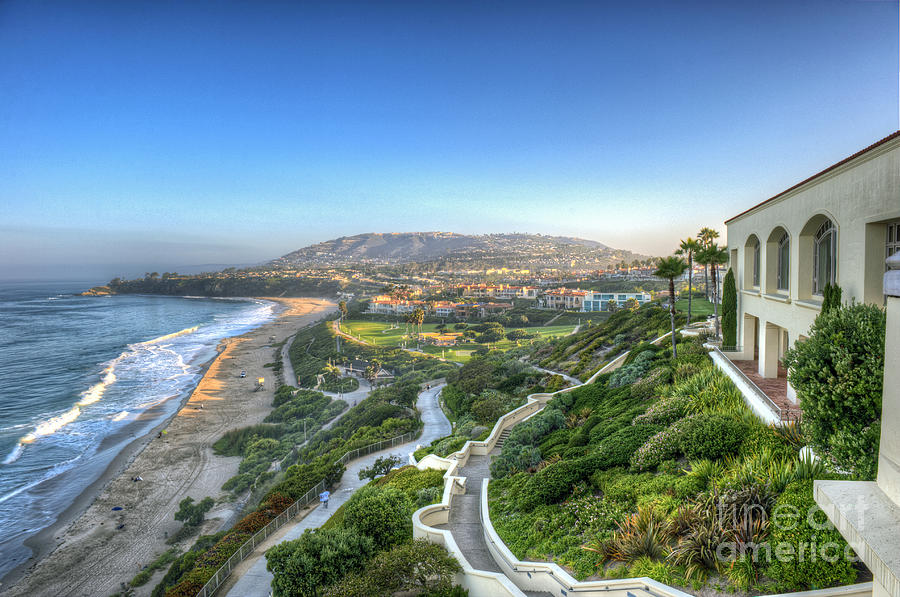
point(774, 388)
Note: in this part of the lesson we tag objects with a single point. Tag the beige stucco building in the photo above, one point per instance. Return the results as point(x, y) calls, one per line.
point(837, 226)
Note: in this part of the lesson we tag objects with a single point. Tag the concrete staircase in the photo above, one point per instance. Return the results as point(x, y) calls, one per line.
point(500, 440)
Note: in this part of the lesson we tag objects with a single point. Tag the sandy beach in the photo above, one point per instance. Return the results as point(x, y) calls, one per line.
point(87, 552)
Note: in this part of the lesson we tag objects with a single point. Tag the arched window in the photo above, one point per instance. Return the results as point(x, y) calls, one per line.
point(756, 264)
point(784, 262)
point(825, 253)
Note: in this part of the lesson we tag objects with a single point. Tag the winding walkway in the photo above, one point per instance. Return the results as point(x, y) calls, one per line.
point(251, 579)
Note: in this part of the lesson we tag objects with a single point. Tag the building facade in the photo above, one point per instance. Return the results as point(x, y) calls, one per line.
point(835, 227)
point(599, 301)
point(563, 298)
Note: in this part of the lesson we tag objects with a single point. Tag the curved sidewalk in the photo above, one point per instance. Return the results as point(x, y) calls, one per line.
point(254, 580)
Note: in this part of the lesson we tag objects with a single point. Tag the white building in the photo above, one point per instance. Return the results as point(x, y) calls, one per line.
point(599, 301)
point(837, 226)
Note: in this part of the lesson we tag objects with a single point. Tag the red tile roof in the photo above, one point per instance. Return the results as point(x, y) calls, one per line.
point(814, 176)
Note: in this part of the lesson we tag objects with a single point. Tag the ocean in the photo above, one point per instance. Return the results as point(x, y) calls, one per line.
point(77, 374)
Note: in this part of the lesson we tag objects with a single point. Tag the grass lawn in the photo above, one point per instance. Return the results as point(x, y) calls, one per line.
point(385, 335)
point(699, 307)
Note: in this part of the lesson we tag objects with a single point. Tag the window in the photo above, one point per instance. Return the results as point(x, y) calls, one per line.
point(784, 262)
point(892, 240)
point(824, 253)
point(756, 264)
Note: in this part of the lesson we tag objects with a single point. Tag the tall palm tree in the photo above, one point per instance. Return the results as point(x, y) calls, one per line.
point(689, 247)
point(418, 317)
point(670, 268)
point(706, 236)
point(714, 256)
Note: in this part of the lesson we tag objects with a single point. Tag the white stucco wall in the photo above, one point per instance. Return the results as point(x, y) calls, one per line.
point(859, 197)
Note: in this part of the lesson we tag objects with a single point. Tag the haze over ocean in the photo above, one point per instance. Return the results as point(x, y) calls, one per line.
point(75, 371)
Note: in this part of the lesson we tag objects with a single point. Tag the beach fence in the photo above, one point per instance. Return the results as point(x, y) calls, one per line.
point(310, 496)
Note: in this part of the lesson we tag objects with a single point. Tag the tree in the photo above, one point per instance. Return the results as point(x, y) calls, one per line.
point(420, 565)
point(838, 374)
point(714, 256)
point(729, 310)
point(343, 308)
point(317, 559)
point(689, 247)
point(418, 317)
point(670, 268)
point(632, 304)
point(382, 513)
point(191, 513)
point(706, 236)
point(491, 335)
point(380, 467)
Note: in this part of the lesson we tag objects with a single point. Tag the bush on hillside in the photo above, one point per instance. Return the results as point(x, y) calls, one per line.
point(712, 437)
point(383, 514)
point(317, 559)
point(838, 373)
point(791, 526)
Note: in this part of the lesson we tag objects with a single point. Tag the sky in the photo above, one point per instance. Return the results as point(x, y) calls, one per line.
point(165, 135)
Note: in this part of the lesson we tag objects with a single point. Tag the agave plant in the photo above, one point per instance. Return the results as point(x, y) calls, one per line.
point(644, 533)
point(697, 551)
point(792, 432)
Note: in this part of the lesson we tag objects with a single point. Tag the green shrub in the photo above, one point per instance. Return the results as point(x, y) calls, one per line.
point(418, 565)
point(618, 448)
point(792, 530)
point(317, 559)
point(382, 514)
point(712, 437)
point(838, 373)
point(552, 483)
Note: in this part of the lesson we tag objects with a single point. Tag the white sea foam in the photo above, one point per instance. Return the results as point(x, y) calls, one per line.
point(121, 415)
point(14, 454)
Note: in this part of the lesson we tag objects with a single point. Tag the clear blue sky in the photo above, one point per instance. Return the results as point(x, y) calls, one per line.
point(154, 135)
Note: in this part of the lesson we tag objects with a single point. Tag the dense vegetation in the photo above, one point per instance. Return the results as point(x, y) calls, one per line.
point(298, 414)
point(227, 287)
point(366, 548)
point(583, 354)
point(387, 412)
point(648, 472)
point(838, 374)
point(484, 389)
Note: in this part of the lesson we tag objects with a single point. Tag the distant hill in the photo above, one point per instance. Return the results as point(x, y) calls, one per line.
point(448, 249)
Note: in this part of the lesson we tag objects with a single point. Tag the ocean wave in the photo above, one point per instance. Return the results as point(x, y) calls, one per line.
point(14, 454)
point(183, 332)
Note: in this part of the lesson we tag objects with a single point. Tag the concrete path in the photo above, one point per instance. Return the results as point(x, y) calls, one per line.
point(465, 517)
point(287, 369)
point(253, 580)
point(568, 378)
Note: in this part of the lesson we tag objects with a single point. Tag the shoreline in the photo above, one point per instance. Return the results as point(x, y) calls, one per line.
point(75, 536)
point(44, 542)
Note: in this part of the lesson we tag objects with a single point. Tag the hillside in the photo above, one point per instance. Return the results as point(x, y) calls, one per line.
point(448, 249)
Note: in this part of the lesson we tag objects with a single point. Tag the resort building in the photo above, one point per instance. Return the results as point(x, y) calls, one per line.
point(836, 227)
point(599, 301)
point(563, 298)
point(385, 305)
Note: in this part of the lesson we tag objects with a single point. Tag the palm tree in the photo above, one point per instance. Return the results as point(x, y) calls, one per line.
point(689, 247)
point(418, 317)
point(670, 268)
point(716, 256)
point(343, 307)
point(706, 236)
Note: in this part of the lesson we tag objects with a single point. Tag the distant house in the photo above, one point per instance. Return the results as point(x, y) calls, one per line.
point(599, 301)
point(385, 305)
point(563, 298)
